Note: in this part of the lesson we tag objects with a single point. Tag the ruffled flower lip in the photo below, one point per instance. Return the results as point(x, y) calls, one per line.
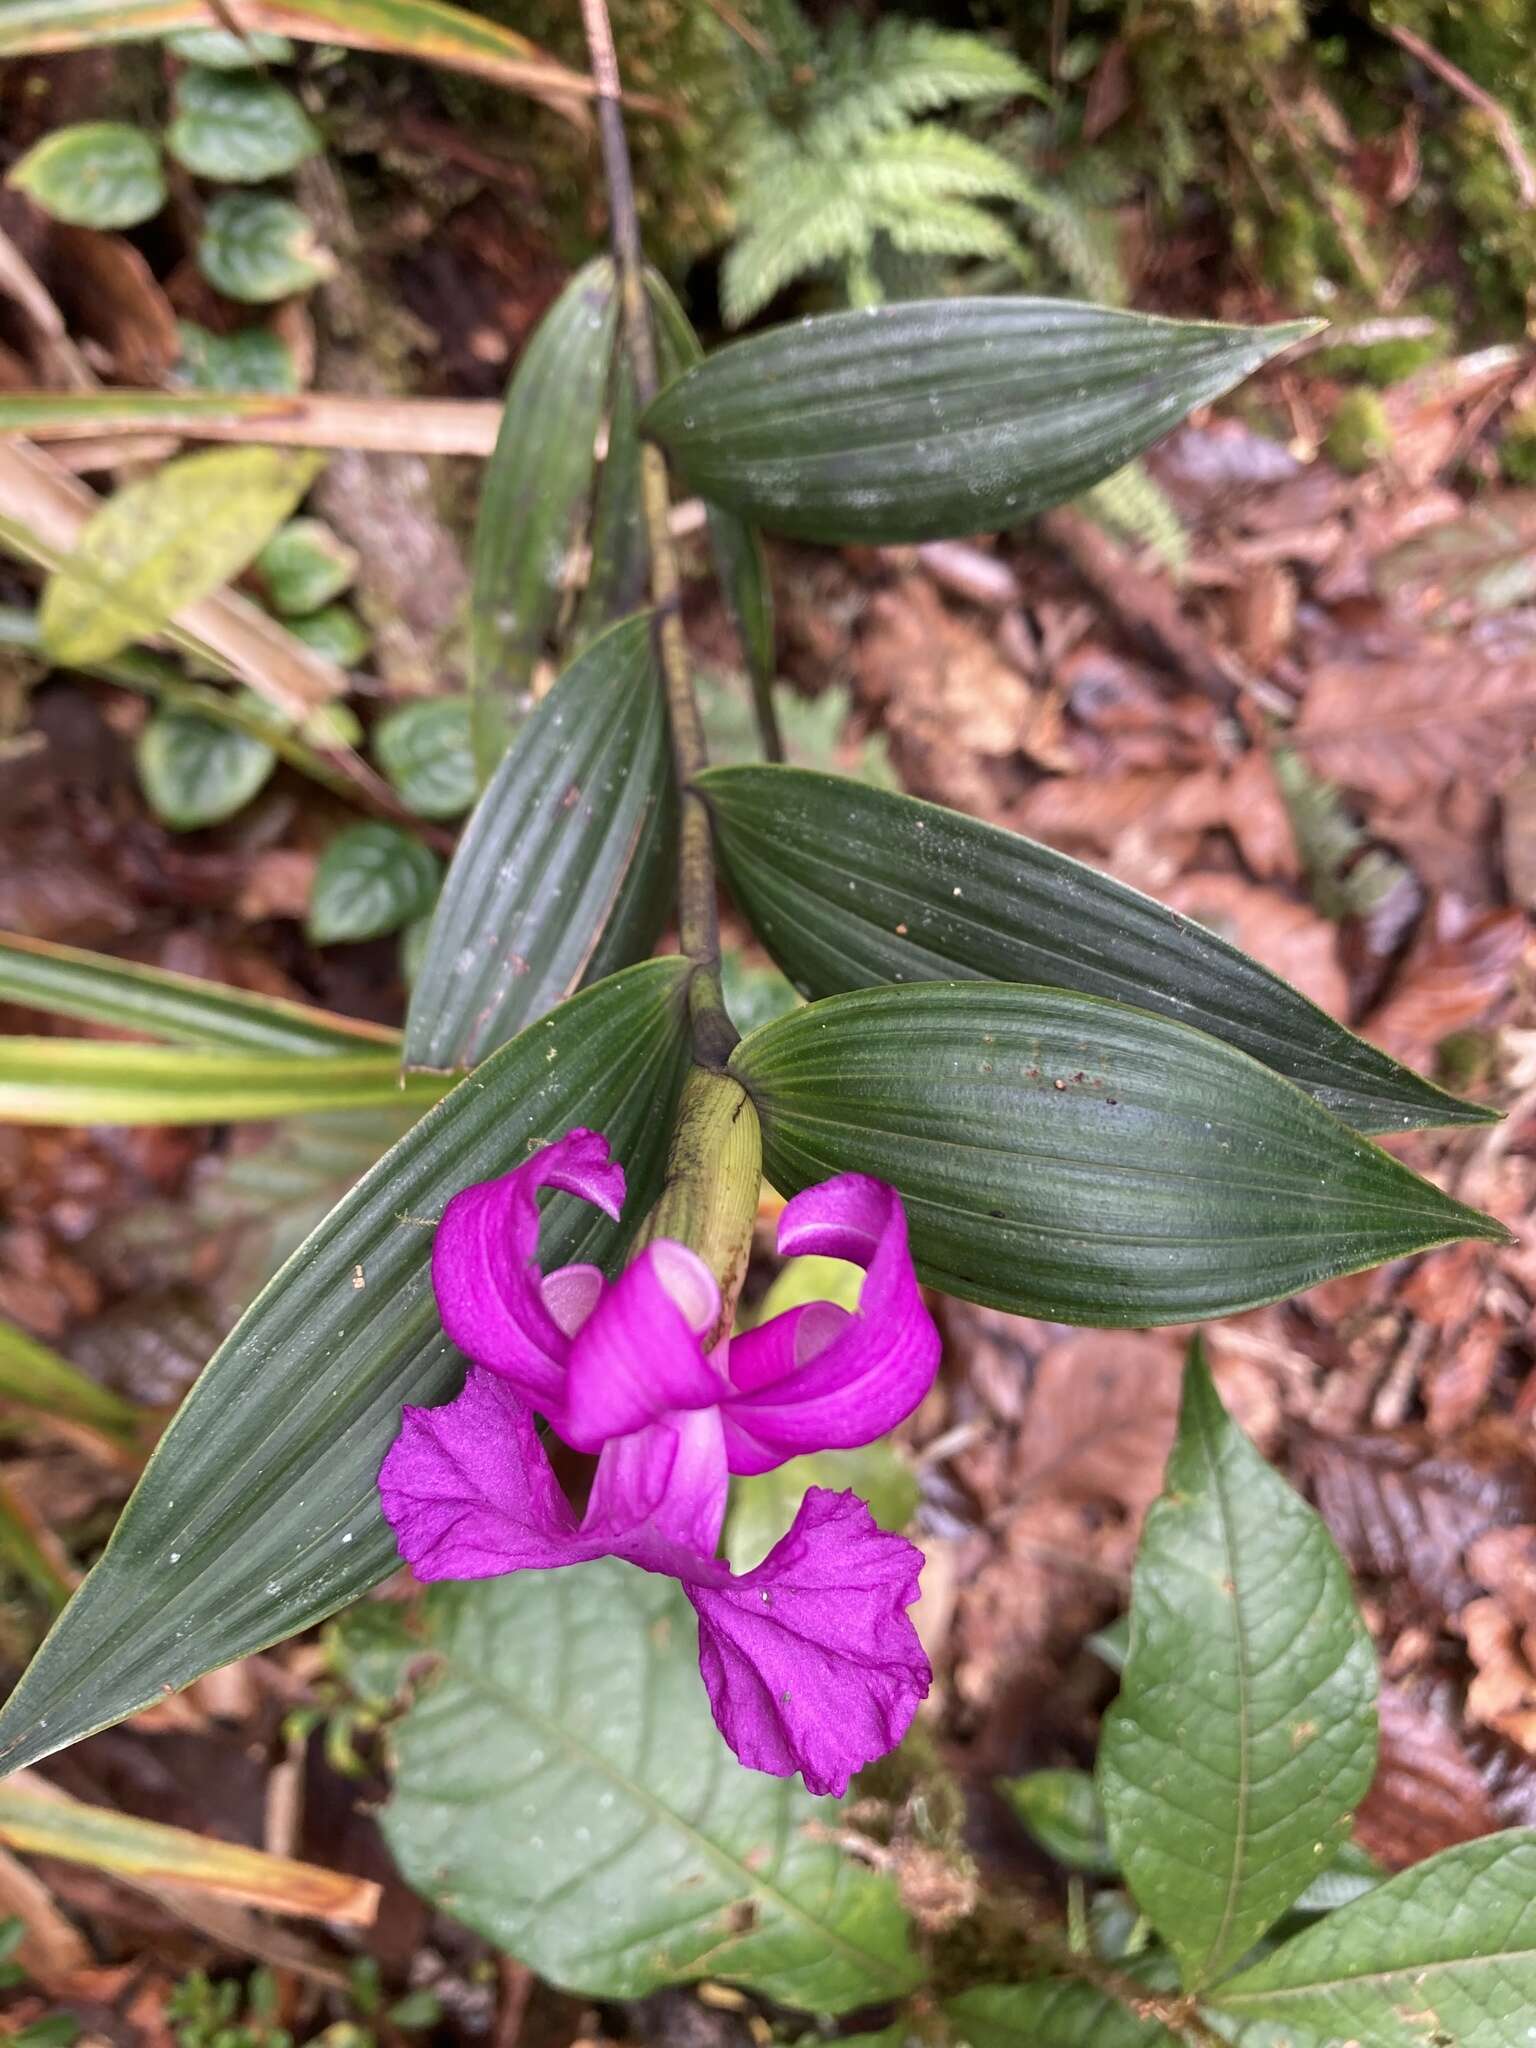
point(810, 1661)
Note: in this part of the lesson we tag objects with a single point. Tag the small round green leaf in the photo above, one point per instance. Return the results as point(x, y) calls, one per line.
point(255, 359)
point(371, 879)
point(99, 174)
point(194, 772)
point(238, 127)
point(425, 750)
point(304, 566)
point(220, 49)
point(257, 248)
point(336, 632)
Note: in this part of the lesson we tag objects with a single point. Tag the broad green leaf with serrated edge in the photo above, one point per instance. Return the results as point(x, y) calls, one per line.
point(562, 1788)
point(1061, 1810)
point(564, 872)
point(940, 416)
point(258, 1514)
point(1441, 1954)
point(1080, 1160)
point(424, 750)
point(428, 30)
point(220, 49)
point(1049, 2014)
point(533, 497)
point(159, 545)
point(194, 772)
point(97, 989)
point(99, 174)
point(371, 879)
point(848, 885)
point(256, 248)
point(238, 128)
point(304, 566)
point(96, 1081)
point(1244, 1734)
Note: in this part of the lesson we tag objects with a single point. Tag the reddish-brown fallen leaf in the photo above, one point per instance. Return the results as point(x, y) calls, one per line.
point(1500, 1631)
point(1484, 561)
point(1428, 1793)
point(1456, 1390)
point(1458, 967)
point(1518, 837)
point(1403, 725)
point(1403, 1513)
point(110, 294)
point(1100, 1420)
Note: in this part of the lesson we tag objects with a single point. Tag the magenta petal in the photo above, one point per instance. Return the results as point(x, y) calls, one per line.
point(485, 1263)
point(807, 1382)
point(668, 1481)
point(811, 1661)
point(469, 1493)
point(638, 1355)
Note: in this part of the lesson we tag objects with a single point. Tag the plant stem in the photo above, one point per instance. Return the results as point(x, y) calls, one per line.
point(1170, 2009)
point(697, 916)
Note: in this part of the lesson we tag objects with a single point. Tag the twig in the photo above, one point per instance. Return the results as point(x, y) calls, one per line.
point(1170, 2009)
point(1499, 118)
point(697, 914)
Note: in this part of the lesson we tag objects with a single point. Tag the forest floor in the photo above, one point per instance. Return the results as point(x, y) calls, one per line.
point(1314, 737)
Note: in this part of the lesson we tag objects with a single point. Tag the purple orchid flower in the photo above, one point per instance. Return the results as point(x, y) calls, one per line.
point(810, 1660)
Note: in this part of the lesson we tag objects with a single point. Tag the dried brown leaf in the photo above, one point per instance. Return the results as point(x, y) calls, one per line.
point(1100, 1420)
point(1458, 967)
point(1287, 936)
point(1428, 1794)
point(1402, 726)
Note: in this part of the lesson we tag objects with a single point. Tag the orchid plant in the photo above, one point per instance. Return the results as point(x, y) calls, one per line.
point(1011, 1079)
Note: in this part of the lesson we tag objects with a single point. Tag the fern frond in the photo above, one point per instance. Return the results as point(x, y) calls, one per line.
point(930, 161)
point(1132, 503)
point(826, 226)
point(1081, 242)
point(906, 68)
point(948, 227)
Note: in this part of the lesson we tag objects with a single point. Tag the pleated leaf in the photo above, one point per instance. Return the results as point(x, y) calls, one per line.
point(1443, 1953)
point(258, 1513)
point(940, 416)
point(849, 885)
point(564, 872)
point(1244, 1735)
point(533, 497)
point(562, 1788)
point(1080, 1160)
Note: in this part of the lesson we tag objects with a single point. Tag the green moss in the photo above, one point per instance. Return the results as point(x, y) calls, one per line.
point(1361, 434)
point(1383, 363)
point(1517, 447)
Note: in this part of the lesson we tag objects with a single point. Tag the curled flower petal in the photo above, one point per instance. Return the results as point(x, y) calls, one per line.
point(469, 1493)
point(638, 1357)
point(669, 1480)
point(811, 1661)
point(811, 1380)
point(485, 1263)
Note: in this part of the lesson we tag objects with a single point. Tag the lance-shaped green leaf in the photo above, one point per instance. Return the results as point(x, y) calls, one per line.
point(1080, 1160)
point(159, 545)
point(1061, 1810)
point(617, 575)
point(533, 497)
point(940, 416)
point(429, 30)
point(564, 872)
point(848, 885)
point(34, 1377)
point(96, 1081)
point(562, 1788)
point(70, 982)
point(258, 1514)
point(1244, 1734)
point(1442, 1954)
point(740, 561)
point(1050, 2013)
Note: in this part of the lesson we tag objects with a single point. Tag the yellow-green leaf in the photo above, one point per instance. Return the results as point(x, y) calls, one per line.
point(161, 544)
